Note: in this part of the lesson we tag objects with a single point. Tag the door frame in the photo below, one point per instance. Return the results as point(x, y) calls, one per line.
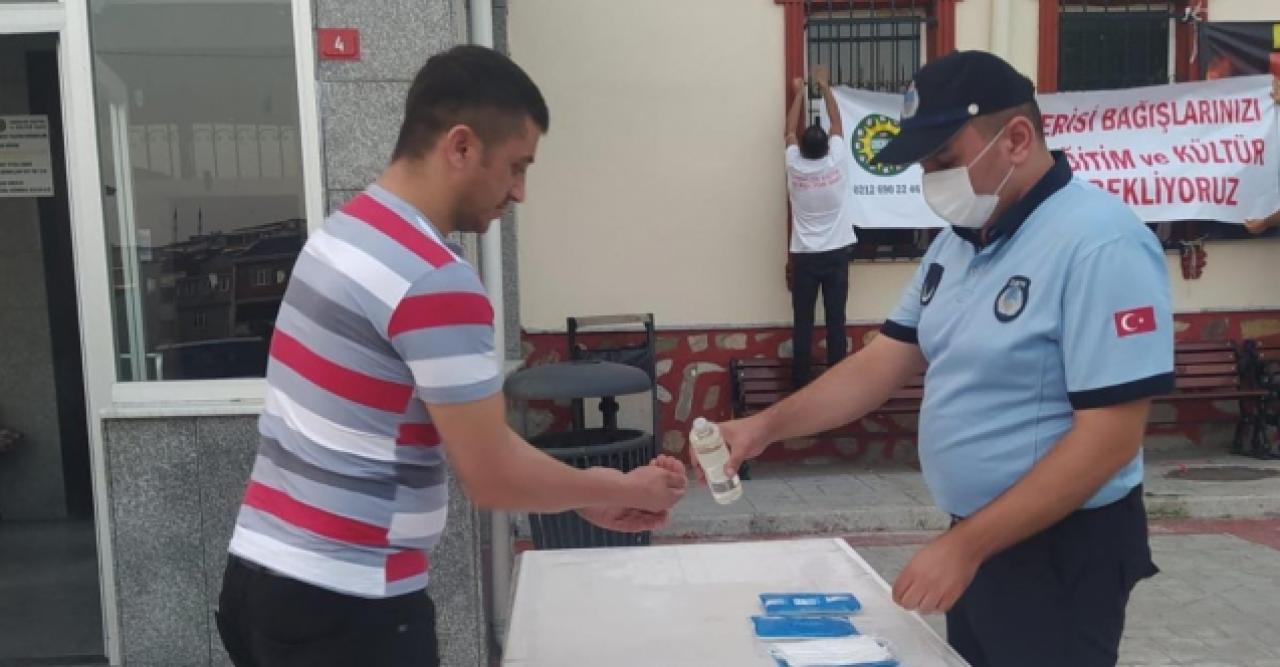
point(105, 397)
point(68, 21)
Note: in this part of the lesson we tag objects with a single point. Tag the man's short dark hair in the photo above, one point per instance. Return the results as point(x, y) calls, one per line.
point(813, 142)
point(472, 86)
point(990, 124)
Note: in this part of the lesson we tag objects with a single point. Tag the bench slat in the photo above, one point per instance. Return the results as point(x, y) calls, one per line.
point(1193, 358)
point(1212, 346)
point(1204, 369)
point(1208, 382)
point(1244, 394)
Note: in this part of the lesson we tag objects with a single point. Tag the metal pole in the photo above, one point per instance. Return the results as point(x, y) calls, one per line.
point(481, 13)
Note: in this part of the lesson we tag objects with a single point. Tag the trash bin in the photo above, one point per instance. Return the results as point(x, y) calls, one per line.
point(622, 449)
point(608, 446)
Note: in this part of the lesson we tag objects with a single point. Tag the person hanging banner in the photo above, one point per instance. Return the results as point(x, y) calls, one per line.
point(1191, 151)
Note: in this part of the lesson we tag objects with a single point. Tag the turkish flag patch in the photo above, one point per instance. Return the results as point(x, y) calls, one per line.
point(1135, 321)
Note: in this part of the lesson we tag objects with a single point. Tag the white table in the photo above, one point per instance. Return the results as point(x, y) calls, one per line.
point(690, 605)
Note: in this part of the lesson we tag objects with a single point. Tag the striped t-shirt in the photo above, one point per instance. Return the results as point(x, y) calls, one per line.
point(348, 490)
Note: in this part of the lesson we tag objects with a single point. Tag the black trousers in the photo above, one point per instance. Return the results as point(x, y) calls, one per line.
point(811, 272)
point(268, 620)
point(1057, 599)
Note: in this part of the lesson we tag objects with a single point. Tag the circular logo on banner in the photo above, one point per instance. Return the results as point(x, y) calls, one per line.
point(1011, 300)
point(871, 135)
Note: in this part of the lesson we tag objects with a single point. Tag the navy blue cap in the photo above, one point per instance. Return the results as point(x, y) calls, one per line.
point(945, 94)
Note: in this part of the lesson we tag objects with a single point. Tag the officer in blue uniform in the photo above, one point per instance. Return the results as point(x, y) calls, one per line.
point(1043, 317)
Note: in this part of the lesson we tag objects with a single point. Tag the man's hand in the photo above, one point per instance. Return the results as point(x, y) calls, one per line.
point(657, 486)
point(664, 478)
point(625, 519)
point(798, 84)
point(1256, 225)
point(938, 575)
point(822, 76)
point(745, 439)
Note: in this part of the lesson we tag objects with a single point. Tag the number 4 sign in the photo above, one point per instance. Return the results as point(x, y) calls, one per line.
point(339, 43)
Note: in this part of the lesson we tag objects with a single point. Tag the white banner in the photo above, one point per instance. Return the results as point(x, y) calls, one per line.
point(1190, 151)
point(883, 197)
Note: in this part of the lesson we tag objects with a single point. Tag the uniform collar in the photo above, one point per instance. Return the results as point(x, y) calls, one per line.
point(1011, 220)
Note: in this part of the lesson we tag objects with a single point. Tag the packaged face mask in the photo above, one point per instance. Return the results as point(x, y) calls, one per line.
point(810, 604)
point(858, 651)
point(802, 627)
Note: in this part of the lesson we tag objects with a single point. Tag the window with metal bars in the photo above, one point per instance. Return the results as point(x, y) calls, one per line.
point(1108, 44)
point(871, 46)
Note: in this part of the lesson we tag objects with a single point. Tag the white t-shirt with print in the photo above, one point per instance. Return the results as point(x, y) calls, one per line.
point(819, 189)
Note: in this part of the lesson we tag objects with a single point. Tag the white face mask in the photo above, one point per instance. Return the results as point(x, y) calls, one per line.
point(951, 195)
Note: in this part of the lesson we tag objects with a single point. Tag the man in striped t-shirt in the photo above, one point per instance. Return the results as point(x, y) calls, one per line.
point(382, 368)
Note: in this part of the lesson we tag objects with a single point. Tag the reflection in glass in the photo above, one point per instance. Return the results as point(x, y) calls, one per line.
point(203, 198)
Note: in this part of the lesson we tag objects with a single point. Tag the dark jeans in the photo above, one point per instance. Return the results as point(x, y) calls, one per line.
point(268, 620)
point(811, 271)
point(1058, 598)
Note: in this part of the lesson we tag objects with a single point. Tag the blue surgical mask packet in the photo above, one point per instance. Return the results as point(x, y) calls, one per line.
point(802, 627)
point(809, 604)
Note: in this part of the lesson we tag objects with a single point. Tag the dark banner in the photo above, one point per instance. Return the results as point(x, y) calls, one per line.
point(1239, 48)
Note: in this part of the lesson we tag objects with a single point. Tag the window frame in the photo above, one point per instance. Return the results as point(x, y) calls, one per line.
point(231, 395)
point(1175, 234)
point(939, 39)
point(1182, 38)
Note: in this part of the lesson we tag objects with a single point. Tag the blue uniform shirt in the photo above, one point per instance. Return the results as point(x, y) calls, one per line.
point(1066, 307)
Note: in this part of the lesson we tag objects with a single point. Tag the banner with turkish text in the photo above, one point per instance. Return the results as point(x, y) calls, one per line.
point(1191, 151)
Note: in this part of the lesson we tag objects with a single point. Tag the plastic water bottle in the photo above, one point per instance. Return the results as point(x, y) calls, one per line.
point(713, 455)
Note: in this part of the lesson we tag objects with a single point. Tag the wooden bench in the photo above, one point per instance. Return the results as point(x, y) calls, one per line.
point(757, 384)
point(1203, 372)
point(1219, 371)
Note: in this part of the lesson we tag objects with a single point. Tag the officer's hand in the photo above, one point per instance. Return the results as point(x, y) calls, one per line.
point(1255, 225)
point(937, 576)
point(745, 439)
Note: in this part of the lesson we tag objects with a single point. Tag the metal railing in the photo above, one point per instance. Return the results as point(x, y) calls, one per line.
point(873, 45)
point(1108, 44)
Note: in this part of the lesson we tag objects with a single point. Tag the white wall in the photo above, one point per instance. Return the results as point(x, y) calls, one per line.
point(660, 187)
point(1244, 10)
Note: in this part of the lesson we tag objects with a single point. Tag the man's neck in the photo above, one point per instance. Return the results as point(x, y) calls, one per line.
point(413, 182)
point(1020, 184)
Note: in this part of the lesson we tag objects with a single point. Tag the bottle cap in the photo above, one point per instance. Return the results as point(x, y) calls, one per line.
point(701, 426)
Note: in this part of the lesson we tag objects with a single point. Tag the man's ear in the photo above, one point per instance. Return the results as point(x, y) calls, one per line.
point(1024, 136)
point(460, 145)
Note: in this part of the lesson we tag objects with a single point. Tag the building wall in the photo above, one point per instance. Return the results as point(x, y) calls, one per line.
point(660, 187)
point(1243, 10)
point(31, 478)
point(175, 488)
point(693, 381)
point(175, 483)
